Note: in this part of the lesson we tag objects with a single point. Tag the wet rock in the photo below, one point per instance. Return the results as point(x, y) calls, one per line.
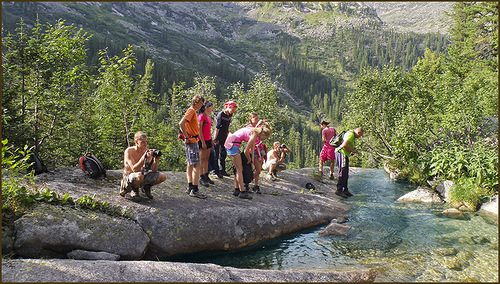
point(53, 231)
point(154, 271)
point(92, 255)
point(443, 189)
point(446, 251)
point(335, 229)
point(422, 195)
point(455, 214)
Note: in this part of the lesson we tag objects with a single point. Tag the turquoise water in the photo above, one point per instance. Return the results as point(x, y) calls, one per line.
point(403, 242)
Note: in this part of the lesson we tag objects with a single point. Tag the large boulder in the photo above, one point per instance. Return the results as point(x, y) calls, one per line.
point(422, 195)
point(53, 231)
point(491, 207)
point(178, 224)
point(443, 189)
point(40, 270)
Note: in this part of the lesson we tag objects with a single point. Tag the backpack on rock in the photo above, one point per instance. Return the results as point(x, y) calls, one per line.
point(91, 166)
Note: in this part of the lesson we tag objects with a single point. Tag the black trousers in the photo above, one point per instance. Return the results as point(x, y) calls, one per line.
point(220, 157)
point(343, 168)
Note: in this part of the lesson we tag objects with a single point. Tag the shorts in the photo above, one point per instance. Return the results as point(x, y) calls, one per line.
point(149, 179)
point(327, 153)
point(207, 142)
point(192, 153)
point(235, 150)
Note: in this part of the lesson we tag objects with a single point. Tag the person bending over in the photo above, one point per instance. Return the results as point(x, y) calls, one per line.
point(232, 145)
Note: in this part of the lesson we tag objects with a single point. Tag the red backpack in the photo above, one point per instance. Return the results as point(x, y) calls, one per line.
point(91, 166)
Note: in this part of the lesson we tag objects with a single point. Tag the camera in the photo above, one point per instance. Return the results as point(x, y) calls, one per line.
point(156, 153)
point(283, 146)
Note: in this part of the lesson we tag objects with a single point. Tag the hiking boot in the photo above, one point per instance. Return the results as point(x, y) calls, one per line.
point(348, 193)
point(341, 194)
point(224, 173)
point(256, 189)
point(245, 195)
point(208, 179)
point(247, 188)
point(219, 174)
point(147, 190)
point(331, 176)
point(203, 181)
point(197, 194)
point(236, 192)
point(271, 177)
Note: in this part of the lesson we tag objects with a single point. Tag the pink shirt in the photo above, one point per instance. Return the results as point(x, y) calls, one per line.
point(242, 134)
point(206, 127)
point(328, 133)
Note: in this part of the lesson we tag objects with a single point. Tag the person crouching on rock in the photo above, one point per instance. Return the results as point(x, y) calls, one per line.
point(140, 168)
point(232, 145)
point(275, 161)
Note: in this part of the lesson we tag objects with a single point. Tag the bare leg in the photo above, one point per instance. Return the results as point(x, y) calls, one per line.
point(239, 172)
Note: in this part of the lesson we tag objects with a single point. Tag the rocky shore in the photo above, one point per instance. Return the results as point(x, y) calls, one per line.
point(171, 224)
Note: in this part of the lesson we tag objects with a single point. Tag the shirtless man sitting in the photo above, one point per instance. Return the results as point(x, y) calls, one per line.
point(140, 168)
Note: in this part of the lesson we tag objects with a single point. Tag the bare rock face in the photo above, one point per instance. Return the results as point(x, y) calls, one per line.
point(154, 271)
point(53, 231)
point(172, 223)
point(421, 194)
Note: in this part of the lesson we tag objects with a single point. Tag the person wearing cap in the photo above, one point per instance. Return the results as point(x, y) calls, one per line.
point(328, 151)
point(275, 160)
point(342, 154)
point(205, 143)
point(191, 132)
point(222, 122)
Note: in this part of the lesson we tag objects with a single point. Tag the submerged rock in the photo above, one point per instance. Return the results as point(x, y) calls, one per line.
point(335, 229)
point(421, 194)
point(455, 214)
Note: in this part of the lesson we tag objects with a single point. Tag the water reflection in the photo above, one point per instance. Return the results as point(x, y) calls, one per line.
point(404, 242)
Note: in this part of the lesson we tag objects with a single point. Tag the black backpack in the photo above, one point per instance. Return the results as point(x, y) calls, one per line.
point(36, 164)
point(337, 139)
point(91, 166)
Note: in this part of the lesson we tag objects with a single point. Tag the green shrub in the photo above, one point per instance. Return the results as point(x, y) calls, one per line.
point(16, 196)
point(469, 191)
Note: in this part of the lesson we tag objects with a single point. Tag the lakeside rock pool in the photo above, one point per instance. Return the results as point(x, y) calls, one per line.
point(403, 242)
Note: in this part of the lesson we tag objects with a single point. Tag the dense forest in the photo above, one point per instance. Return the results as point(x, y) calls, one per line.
point(67, 91)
